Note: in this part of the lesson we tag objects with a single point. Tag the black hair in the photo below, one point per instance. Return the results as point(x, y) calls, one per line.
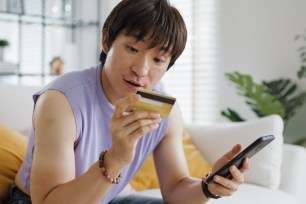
point(155, 20)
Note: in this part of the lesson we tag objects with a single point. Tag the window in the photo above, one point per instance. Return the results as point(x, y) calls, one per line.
point(45, 30)
point(193, 78)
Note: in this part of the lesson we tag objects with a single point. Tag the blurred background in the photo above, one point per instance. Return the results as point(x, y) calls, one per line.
point(263, 41)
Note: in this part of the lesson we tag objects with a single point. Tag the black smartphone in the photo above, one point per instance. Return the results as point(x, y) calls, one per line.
point(248, 152)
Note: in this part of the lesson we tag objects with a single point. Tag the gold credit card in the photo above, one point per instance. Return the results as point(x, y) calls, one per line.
point(151, 101)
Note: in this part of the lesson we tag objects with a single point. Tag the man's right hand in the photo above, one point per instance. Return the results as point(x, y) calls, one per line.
point(127, 128)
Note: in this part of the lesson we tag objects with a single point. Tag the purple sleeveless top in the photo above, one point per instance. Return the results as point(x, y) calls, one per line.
point(92, 112)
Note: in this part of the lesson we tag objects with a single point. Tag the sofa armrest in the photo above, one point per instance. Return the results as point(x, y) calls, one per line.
point(293, 178)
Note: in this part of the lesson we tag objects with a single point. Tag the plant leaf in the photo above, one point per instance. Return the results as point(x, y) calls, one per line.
point(260, 101)
point(232, 115)
point(289, 91)
point(300, 141)
point(285, 91)
point(302, 72)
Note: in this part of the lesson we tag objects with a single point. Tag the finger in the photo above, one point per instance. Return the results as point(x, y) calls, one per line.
point(236, 174)
point(219, 189)
point(123, 104)
point(233, 152)
point(143, 131)
point(139, 124)
point(246, 165)
point(138, 115)
point(224, 187)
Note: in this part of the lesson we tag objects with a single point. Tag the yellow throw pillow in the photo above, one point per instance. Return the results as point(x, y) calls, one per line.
point(146, 176)
point(198, 166)
point(12, 152)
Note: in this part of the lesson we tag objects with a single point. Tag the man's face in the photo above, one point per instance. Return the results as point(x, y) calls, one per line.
point(130, 66)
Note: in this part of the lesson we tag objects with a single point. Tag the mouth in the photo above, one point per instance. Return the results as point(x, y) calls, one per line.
point(134, 84)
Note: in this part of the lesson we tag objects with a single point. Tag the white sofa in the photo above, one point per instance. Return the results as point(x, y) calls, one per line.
point(278, 172)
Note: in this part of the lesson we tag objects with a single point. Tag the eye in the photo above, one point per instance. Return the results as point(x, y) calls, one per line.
point(131, 49)
point(158, 60)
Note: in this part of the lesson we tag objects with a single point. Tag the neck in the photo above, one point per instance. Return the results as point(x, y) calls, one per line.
point(107, 88)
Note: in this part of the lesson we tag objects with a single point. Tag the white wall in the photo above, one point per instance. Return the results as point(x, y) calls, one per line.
point(256, 37)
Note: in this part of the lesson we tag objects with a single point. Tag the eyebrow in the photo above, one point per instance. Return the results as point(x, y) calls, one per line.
point(136, 37)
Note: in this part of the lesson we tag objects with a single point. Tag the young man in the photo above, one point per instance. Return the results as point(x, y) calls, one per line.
point(85, 147)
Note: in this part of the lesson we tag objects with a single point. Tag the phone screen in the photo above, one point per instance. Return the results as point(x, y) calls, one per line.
point(248, 152)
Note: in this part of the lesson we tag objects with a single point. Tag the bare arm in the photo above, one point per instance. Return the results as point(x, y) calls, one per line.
point(53, 171)
point(176, 184)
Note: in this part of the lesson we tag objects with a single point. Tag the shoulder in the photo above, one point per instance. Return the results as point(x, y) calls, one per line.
point(51, 103)
point(53, 111)
point(77, 78)
point(175, 126)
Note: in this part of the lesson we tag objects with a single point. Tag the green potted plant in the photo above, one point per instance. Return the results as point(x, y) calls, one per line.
point(3, 43)
point(279, 96)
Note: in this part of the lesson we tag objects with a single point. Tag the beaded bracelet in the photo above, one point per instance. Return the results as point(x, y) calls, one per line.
point(103, 169)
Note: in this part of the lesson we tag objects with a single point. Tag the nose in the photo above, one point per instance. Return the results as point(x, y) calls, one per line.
point(141, 67)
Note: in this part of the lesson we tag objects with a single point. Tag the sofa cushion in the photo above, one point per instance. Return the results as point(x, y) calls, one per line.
point(17, 105)
point(12, 151)
point(146, 176)
point(215, 140)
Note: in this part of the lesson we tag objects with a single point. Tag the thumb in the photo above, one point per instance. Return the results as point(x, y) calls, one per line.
point(234, 151)
point(237, 148)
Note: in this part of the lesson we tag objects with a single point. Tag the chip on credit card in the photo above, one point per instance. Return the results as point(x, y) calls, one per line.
point(151, 101)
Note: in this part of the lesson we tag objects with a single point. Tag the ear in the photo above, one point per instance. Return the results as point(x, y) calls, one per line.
point(104, 44)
